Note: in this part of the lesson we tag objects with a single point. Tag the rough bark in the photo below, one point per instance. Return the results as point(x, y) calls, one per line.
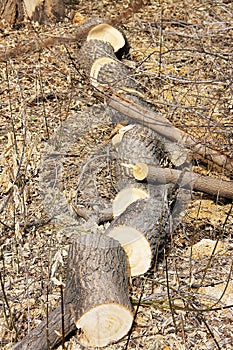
point(127, 102)
point(97, 290)
point(39, 339)
point(127, 196)
point(11, 11)
point(111, 74)
point(15, 11)
point(143, 229)
point(138, 143)
point(207, 184)
point(138, 113)
point(146, 222)
point(96, 299)
point(107, 33)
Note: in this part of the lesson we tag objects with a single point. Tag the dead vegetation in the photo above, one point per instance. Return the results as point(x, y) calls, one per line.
point(182, 55)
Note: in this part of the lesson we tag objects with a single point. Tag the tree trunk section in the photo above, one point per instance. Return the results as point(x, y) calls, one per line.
point(96, 298)
point(97, 290)
point(137, 144)
point(41, 11)
point(142, 230)
point(206, 184)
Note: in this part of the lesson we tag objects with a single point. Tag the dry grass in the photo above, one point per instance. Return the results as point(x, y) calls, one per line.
point(182, 55)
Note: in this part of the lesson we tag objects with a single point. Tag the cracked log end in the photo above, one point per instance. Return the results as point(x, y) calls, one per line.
point(136, 246)
point(104, 324)
point(125, 197)
point(109, 34)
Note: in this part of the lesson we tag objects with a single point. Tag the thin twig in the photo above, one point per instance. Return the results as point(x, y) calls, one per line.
point(171, 306)
point(135, 314)
point(83, 172)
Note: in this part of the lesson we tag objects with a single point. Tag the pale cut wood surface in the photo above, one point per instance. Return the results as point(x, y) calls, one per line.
point(150, 217)
point(96, 283)
point(97, 289)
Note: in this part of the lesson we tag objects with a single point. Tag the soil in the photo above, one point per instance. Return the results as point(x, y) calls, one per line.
point(181, 54)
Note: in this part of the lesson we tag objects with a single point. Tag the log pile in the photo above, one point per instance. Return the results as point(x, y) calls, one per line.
point(152, 173)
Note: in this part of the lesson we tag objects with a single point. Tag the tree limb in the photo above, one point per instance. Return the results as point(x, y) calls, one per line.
point(160, 124)
point(207, 184)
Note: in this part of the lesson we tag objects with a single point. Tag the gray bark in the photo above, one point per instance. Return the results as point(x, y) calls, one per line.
point(15, 11)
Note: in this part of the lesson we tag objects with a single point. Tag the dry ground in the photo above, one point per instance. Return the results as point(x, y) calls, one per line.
point(181, 52)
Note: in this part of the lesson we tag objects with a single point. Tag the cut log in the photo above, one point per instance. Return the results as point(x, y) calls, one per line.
point(141, 145)
point(134, 111)
point(122, 129)
point(126, 197)
point(140, 171)
point(96, 67)
point(41, 11)
point(206, 184)
point(97, 290)
point(96, 299)
point(137, 145)
point(91, 51)
point(98, 60)
point(111, 35)
point(142, 230)
point(111, 74)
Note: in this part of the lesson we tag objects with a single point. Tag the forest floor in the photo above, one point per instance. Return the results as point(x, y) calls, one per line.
point(181, 53)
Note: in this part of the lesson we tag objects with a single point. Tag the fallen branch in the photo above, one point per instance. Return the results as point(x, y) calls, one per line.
point(82, 30)
point(160, 124)
point(187, 179)
point(38, 43)
point(38, 339)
